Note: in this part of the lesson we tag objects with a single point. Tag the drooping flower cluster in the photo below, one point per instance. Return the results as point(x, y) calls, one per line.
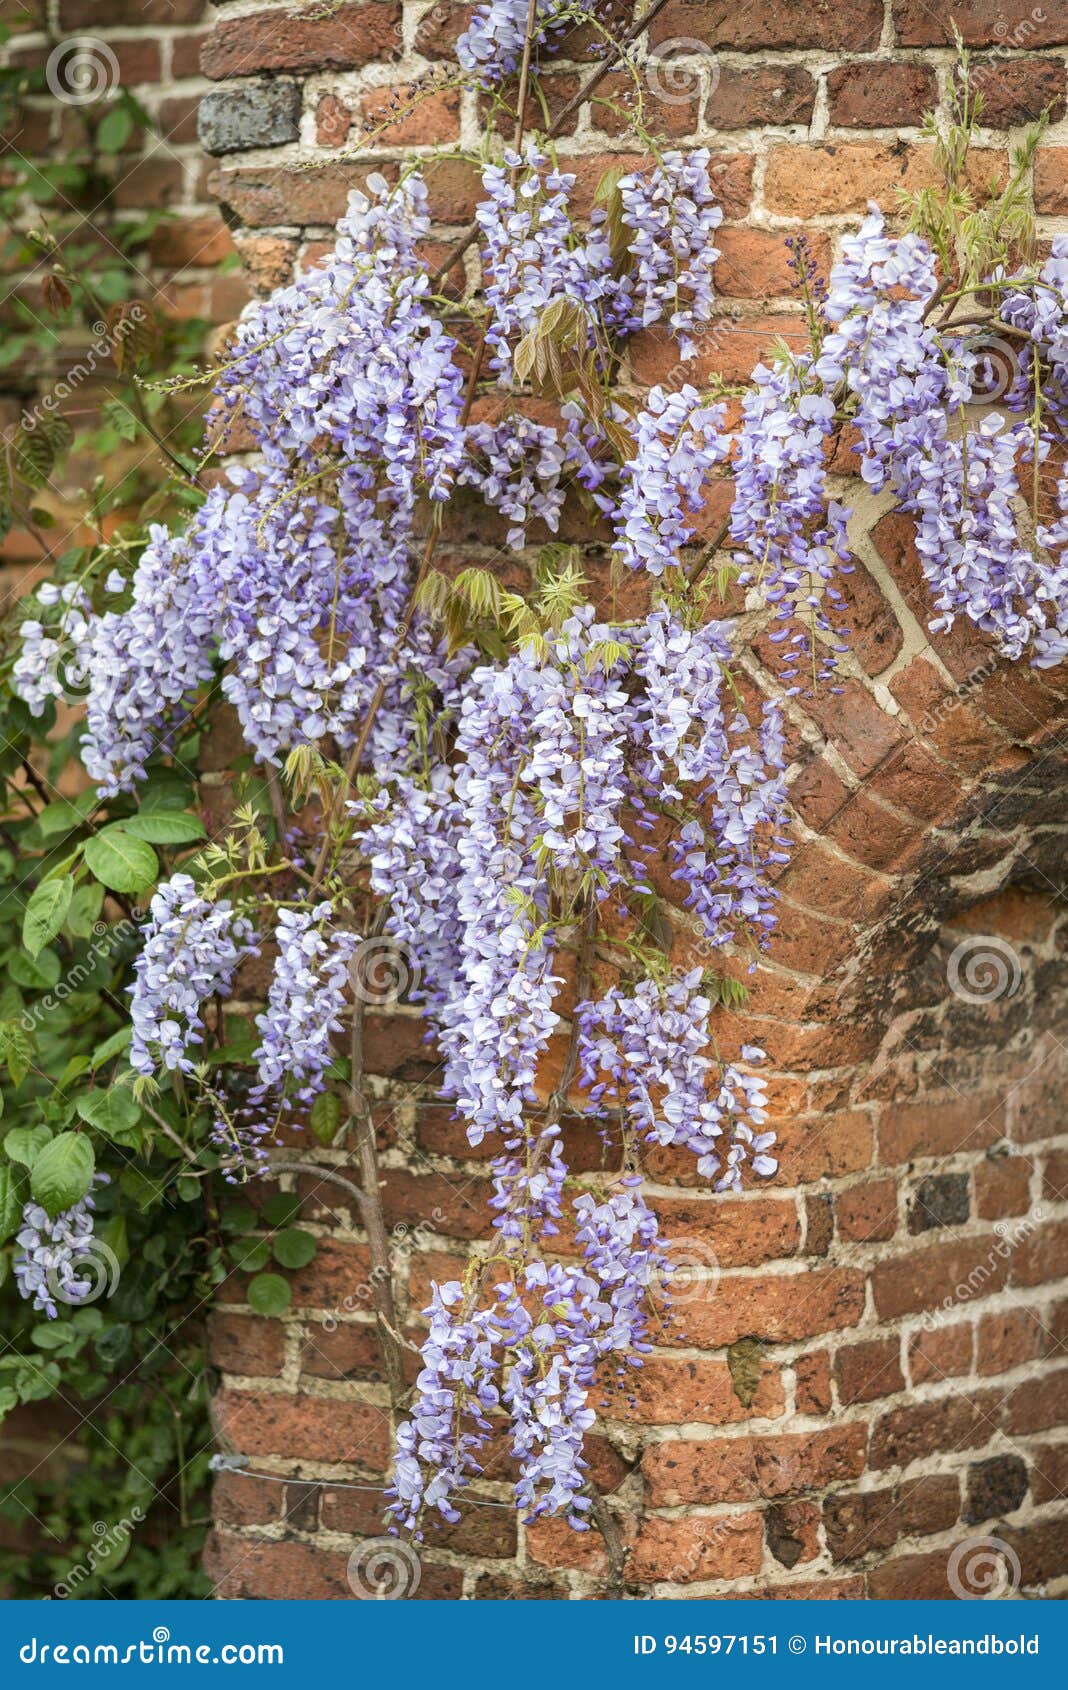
point(516, 464)
point(958, 477)
point(492, 43)
point(791, 537)
point(55, 1259)
point(192, 950)
point(531, 1352)
point(671, 215)
point(305, 1002)
point(678, 442)
point(649, 1048)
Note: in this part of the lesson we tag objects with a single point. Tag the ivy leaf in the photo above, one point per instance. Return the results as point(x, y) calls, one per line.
point(269, 1294)
point(12, 1200)
point(24, 1144)
point(294, 1248)
point(281, 1208)
point(120, 861)
point(46, 912)
point(63, 1172)
point(165, 827)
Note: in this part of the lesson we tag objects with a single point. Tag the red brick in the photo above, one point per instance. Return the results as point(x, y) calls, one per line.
point(687, 1551)
point(776, 24)
point(778, 94)
point(240, 1501)
point(812, 1375)
point(743, 1469)
point(1038, 1405)
point(740, 1234)
point(939, 1128)
point(943, 1353)
point(753, 262)
point(1018, 91)
point(1051, 181)
point(842, 177)
point(920, 1429)
point(404, 116)
point(778, 1307)
point(304, 1427)
point(869, 1370)
point(1008, 1339)
point(867, 1213)
point(246, 1344)
point(670, 1389)
point(940, 1274)
point(872, 1521)
point(982, 23)
point(1002, 1185)
point(878, 95)
point(351, 37)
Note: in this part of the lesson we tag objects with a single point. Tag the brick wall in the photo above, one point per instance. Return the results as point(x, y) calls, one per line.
point(877, 1376)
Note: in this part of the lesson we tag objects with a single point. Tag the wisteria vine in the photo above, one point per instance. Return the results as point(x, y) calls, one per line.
point(519, 788)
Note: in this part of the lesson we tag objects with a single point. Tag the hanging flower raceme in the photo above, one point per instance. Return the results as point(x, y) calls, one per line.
point(305, 1002)
point(670, 215)
point(192, 951)
point(516, 465)
point(56, 1254)
point(678, 443)
point(492, 43)
point(791, 537)
point(649, 1048)
point(956, 475)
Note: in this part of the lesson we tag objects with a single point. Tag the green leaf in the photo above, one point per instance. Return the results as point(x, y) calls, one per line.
point(63, 1172)
point(111, 1047)
point(294, 1248)
point(269, 1293)
point(46, 912)
point(24, 1144)
point(324, 1116)
point(281, 1209)
point(114, 130)
point(12, 1199)
point(120, 861)
point(250, 1254)
point(165, 827)
point(114, 1113)
point(38, 974)
point(15, 1046)
point(85, 907)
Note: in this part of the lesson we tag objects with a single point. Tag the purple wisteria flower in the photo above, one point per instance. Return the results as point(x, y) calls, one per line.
point(192, 951)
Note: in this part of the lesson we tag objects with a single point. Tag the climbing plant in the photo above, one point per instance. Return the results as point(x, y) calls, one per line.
point(540, 801)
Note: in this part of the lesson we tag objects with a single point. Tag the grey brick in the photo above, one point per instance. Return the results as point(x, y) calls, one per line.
point(258, 114)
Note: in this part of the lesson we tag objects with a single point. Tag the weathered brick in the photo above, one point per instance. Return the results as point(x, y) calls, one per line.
point(777, 24)
point(263, 41)
point(686, 1551)
point(742, 1469)
point(994, 1487)
point(261, 114)
point(872, 1521)
point(870, 1370)
point(880, 95)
